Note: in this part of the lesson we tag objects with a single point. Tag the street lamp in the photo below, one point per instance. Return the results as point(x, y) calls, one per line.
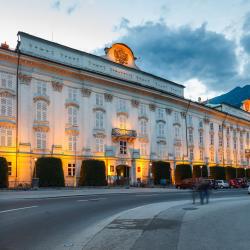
point(201, 170)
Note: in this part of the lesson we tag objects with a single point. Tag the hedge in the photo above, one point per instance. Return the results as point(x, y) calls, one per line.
point(240, 172)
point(200, 172)
point(248, 173)
point(50, 172)
point(218, 173)
point(93, 173)
point(161, 170)
point(230, 173)
point(183, 171)
point(3, 173)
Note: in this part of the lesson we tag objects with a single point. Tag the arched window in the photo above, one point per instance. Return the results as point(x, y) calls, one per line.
point(99, 119)
point(143, 127)
point(41, 111)
point(72, 115)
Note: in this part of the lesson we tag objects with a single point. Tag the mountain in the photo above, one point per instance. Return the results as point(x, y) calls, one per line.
point(233, 97)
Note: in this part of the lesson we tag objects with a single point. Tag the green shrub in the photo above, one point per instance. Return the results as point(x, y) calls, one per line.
point(93, 173)
point(183, 171)
point(230, 173)
point(161, 170)
point(218, 173)
point(50, 172)
point(240, 172)
point(248, 173)
point(200, 172)
point(3, 173)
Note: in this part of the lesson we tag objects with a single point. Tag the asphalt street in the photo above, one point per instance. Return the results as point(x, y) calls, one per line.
point(51, 222)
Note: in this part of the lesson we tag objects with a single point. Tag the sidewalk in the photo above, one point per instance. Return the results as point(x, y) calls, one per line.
point(64, 192)
point(174, 225)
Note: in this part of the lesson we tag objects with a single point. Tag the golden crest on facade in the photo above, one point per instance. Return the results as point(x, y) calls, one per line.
point(121, 56)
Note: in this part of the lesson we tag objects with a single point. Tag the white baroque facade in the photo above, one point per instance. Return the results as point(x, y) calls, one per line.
point(75, 106)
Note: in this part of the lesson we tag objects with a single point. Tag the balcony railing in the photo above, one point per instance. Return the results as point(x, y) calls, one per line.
point(123, 134)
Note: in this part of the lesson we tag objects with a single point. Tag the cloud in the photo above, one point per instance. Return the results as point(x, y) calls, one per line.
point(72, 8)
point(183, 53)
point(67, 6)
point(245, 42)
point(246, 24)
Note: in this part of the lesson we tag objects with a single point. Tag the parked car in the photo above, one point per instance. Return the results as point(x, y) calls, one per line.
point(186, 183)
point(233, 183)
point(222, 184)
point(212, 183)
point(249, 190)
point(242, 182)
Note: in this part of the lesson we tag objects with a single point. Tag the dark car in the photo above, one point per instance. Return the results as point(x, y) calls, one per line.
point(233, 183)
point(186, 183)
point(242, 182)
point(212, 183)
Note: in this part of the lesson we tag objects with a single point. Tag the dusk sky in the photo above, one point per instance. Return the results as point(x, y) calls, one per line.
point(202, 44)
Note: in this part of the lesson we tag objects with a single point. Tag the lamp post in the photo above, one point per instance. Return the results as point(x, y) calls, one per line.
point(150, 172)
point(201, 170)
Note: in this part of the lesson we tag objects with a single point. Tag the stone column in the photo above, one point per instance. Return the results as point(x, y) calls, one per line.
point(172, 167)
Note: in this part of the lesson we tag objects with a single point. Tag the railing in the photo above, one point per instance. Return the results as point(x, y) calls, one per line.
point(123, 134)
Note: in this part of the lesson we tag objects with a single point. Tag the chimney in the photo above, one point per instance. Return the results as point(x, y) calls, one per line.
point(4, 45)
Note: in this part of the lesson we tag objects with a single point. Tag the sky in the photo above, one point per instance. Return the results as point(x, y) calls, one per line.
point(202, 44)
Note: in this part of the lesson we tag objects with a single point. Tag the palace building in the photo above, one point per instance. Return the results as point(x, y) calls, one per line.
point(62, 102)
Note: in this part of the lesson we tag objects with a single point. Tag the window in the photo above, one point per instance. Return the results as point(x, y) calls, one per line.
point(122, 105)
point(161, 129)
point(6, 137)
point(41, 140)
point(201, 138)
point(72, 116)
point(71, 169)
point(162, 151)
point(72, 143)
point(191, 153)
point(190, 136)
point(228, 142)
point(122, 122)
point(228, 156)
point(143, 149)
point(220, 155)
point(99, 99)
point(142, 109)
point(72, 94)
point(200, 124)
point(176, 117)
point(190, 120)
point(211, 139)
point(99, 145)
point(41, 111)
point(177, 152)
point(176, 132)
point(220, 141)
point(6, 106)
point(7, 80)
point(123, 147)
point(235, 142)
point(201, 155)
point(41, 88)
point(212, 155)
point(143, 127)
point(228, 131)
point(211, 126)
point(99, 116)
point(9, 168)
point(160, 113)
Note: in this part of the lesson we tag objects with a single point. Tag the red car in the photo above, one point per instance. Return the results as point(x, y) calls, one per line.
point(242, 182)
point(233, 183)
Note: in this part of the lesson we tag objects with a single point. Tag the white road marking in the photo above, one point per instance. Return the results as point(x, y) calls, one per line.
point(144, 195)
point(16, 209)
point(94, 199)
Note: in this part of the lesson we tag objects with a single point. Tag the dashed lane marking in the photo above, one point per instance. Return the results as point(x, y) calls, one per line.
point(16, 209)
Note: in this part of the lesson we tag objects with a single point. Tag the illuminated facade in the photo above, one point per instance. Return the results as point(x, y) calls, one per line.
point(74, 105)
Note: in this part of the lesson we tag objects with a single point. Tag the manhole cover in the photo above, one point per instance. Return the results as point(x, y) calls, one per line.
point(190, 208)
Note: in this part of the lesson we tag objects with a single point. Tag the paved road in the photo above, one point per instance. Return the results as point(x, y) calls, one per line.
point(52, 223)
